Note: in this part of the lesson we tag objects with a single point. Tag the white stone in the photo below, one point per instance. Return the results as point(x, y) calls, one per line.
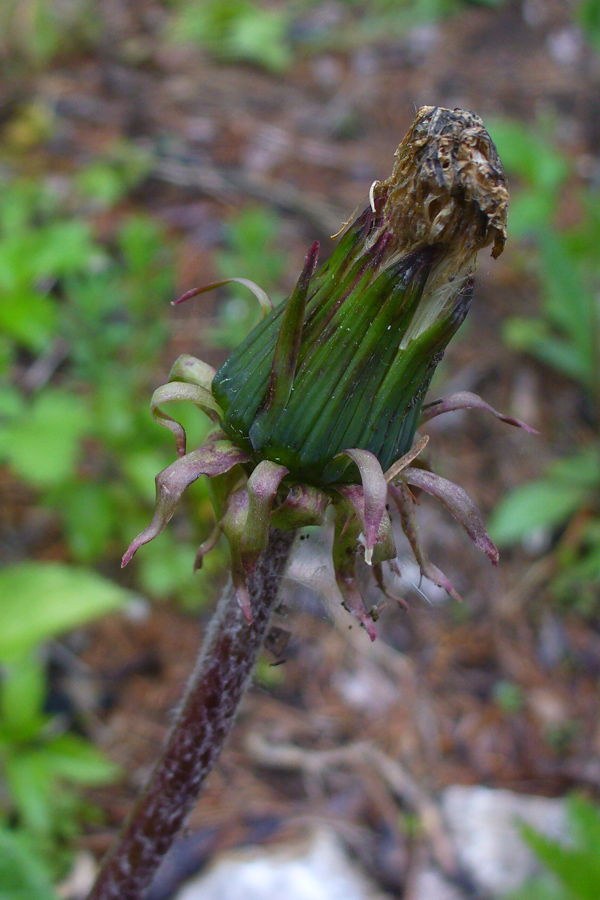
point(315, 870)
point(366, 689)
point(430, 885)
point(483, 824)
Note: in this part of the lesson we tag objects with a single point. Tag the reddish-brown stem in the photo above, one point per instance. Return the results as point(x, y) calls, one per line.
point(206, 717)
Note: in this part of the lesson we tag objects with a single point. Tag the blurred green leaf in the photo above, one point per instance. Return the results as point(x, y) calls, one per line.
point(141, 467)
point(236, 29)
point(22, 694)
point(577, 870)
point(539, 504)
point(23, 875)
point(140, 240)
point(569, 302)
point(102, 183)
point(43, 443)
point(65, 248)
point(90, 517)
point(589, 16)
point(527, 153)
point(43, 600)
point(584, 821)
point(34, 31)
point(29, 318)
point(530, 210)
point(530, 155)
point(252, 249)
point(546, 887)
point(576, 583)
point(581, 468)
point(259, 35)
point(572, 869)
point(534, 336)
point(169, 569)
point(28, 779)
point(77, 761)
point(109, 179)
point(11, 401)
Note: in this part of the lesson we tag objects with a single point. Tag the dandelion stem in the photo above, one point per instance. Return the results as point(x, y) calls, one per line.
point(203, 723)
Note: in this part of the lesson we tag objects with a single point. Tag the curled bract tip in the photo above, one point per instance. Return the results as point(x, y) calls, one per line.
point(263, 298)
point(215, 458)
point(374, 494)
point(468, 400)
point(457, 501)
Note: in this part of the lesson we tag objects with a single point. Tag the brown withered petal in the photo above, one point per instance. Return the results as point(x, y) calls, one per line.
point(448, 186)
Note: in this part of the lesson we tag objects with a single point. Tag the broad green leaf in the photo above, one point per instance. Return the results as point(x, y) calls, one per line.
point(76, 760)
point(169, 569)
point(259, 36)
point(102, 183)
point(589, 16)
point(534, 336)
point(22, 694)
point(141, 241)
point(530, 210)
point(581, 468)
point(540, 504)
point(251, 233)
point(523, 334)
point(11, 401)
point(43, 443)
point(29, 784)
point(568, 301)
point(22, 874)
point(66, 248)
point(19, 198)
point(28, 317)
point(43, 600)
point(7, 354)
point(528, 154)
point(90, 515)
point(115, 413)
point(577, 870)
point(141, 468)
point(565, 358)
point(578, 578)
point(584, 820)
point(544, 888)
point(236, 29)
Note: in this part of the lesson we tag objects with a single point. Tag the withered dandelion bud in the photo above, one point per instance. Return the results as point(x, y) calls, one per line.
point(326, 393)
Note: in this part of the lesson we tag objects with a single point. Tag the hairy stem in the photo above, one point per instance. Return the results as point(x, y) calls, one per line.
point(204, 721)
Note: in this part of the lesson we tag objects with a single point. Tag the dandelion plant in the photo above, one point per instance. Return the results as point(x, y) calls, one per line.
point(315, 414)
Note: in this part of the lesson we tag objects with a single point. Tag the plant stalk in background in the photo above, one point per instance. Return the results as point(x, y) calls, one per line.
point(316, 410)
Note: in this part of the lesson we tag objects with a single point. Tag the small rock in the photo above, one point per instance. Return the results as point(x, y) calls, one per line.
point(566, 46)
point(80, 879)
point(483, 824)
point(366, 689)
point(548, 708)
point(430, 885)
point(316, 870)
